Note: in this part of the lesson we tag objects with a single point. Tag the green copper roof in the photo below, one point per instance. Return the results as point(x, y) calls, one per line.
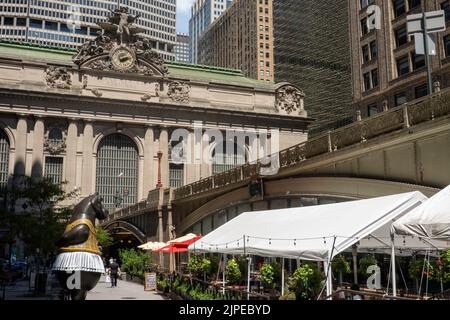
point(46, 54)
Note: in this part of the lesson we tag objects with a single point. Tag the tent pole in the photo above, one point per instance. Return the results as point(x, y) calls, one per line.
point(249, 259)
point(224, 269)
point(355, 263)
point(394, 280)
point(329, 280)
point(282, 277)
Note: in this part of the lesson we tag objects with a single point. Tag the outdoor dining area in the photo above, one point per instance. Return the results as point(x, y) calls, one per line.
point(393, 247)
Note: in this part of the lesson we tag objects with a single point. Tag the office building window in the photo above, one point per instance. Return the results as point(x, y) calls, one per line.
point(402, 66)
point(414, 3)
point(447, 45)
point(367, 85)
point(373, 50)
point(401, 36)
point(400, 98)
point(364, 28)
point(399, 7)
point(420, 91)
point(365, 54)
point(374, 78)
point(446, 7)
point(418, 61)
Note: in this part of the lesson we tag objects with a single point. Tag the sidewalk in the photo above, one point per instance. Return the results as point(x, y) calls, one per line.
point(21, 291)
point(103, 291)
point(124, 291)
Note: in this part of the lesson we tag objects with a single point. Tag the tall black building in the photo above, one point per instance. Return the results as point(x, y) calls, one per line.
point(312, 50)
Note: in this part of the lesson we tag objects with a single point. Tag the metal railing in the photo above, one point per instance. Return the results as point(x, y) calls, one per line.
point(346, 294)
point(402, 117)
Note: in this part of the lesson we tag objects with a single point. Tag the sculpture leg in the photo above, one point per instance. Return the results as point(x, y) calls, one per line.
point(78, 295)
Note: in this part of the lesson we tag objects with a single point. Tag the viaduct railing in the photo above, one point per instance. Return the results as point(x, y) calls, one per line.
point(405, 116)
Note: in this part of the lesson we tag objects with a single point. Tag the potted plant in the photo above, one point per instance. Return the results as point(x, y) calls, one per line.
point(307, 281)
point(232, 272)
point(340, 266)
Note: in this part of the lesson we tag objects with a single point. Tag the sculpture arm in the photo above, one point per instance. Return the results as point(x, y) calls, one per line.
point(77, 235)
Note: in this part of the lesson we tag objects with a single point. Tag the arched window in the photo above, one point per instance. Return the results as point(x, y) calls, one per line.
point(117, 171)
point(4, 159)
point(55, 136)
point(225, 159)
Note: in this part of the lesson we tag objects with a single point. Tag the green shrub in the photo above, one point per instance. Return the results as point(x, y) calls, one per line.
point(232, 272)
point(340, 264)
point(365, 263)
point(417, 265)
point(307, 281)
point(288, 296)
point(271, 273)
point(198, 266)
point(134, 262)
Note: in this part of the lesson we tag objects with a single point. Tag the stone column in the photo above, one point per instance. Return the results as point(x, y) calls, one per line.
point(191, 172)
point(87, 174)
point(160, 235)
point(164, 148)
point(21, 145)
point(71, 155)
point(148, 177)
point(169, 229)
point(37, 164)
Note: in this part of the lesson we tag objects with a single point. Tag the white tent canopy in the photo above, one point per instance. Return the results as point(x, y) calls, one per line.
point(431, 219)
point(308, 233)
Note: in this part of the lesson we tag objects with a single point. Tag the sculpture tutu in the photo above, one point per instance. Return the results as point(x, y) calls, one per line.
point(79, 265)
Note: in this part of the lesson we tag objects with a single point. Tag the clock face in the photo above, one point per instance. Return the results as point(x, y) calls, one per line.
point(122, 59)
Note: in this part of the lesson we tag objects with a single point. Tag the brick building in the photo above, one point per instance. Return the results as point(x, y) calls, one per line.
point(242, 38)
point(386, 71)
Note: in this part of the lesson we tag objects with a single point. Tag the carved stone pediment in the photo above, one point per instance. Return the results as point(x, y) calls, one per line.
point(290, 99)
point(58, 78)
point(178, 91)
point(120, 49)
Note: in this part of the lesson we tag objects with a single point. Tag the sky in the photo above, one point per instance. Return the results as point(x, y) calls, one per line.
point(183, 15)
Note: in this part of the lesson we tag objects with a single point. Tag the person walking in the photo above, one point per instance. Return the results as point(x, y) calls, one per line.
point(114, 271)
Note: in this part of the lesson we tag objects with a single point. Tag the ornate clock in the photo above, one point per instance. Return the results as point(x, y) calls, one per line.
point(122, 58)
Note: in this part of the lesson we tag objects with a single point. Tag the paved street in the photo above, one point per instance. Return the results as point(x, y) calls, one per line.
point(124, 291)
point(103, 291)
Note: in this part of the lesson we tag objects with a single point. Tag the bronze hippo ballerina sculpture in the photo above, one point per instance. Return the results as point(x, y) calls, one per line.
point(79, 265)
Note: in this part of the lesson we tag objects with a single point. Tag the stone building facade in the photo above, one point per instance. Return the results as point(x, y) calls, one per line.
point(241, 38)
point(103, 130)
point(386, 72)
point(312, 51)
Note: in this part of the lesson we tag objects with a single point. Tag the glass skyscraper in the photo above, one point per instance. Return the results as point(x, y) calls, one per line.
point(69, 23)
point(204, 12)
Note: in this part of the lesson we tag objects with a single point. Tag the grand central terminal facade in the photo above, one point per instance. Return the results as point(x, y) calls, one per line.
point(101, 118)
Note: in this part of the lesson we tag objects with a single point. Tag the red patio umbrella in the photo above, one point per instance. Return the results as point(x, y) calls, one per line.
point(179, 246)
